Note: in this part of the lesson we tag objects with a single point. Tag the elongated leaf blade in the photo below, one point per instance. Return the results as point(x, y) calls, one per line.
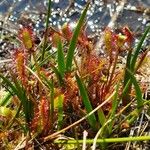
point(20, 92)
point(46, 29)
point(58, 75)
point(115, 104)
point(126, 76)
point(86, 102)
point(27, 104)
point(9, 84)
point(126, 98)
point(137, 50)
point(6, 100)
point(74, 40)
point(60, 58)
point(101, 116)
point(52, 102)
point(60, 111)
point(138, 91)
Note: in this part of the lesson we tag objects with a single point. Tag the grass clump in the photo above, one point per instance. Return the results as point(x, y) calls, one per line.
point(67, 92)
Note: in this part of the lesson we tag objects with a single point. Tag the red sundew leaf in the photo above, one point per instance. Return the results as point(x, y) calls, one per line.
point(66, 31)
point(41, 121)
point(70, 94)
point(126, 31)
point(92, 63)
point(44, 111)
point(55, 39)
point(84, 41)
point(19, 59)
point(26, 36)
point(34, 125)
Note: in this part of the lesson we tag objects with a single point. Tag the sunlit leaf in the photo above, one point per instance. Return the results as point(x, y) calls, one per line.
point(86, 102)
point(74, 40)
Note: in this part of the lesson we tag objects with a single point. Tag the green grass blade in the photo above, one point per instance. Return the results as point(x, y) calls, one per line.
point(13, 88)
point(60, 111)
point(58, 75)
point(126, 76)
point(137, 50)
point(34, 73)
point(6, 100)
point(126, 98)
point(115, 104)
point(130, 65)
point(46, 30)
point(48, 82)
point(106, 140)
point(101, 116)
point(20, 92)
point(27, 104)
point(15, 116)
point(125, 89)
point(52, 102)
point(60, 58)
point(44, 61)
point(138, 91)
point(86, 102)
point(74, 40)
point(102, 119)
point(9, 84)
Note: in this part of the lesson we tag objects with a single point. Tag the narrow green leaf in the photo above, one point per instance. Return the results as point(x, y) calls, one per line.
point(126, 97)
point(130, 65)
point(47, 81)
point(137, 50)
point(101, 116)
point(138, 91)
point(14, 88)
point(27, 104)
point(102, 120)
point(86, 102)
point(9, 84)
point(6, 100)
point(52, 102)
point(15, 116)
point(46, 30)
point(105, 140)
point(125, 90)
point(60, 111)
point(45, 60)
point(20, 92)
point(74, 40)
point(60, 58)
point(115, 104)
point(126, 76)
point(58, 75)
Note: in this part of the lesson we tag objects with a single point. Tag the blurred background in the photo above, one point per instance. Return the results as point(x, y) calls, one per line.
point(14, 13)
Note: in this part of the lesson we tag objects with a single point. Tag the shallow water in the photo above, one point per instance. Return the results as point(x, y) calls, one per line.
point(98, 14)
point(16, 12)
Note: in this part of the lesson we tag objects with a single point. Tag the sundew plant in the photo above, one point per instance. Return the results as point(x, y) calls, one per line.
point(72, 98)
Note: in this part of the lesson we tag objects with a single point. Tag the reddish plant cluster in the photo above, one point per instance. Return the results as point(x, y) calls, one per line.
point(41, 121)
point(100, 75)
